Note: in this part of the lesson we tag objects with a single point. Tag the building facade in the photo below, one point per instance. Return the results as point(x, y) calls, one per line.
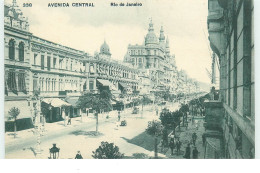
point(154, 60)
point(59, 74)
point(231, 36)
point(41, 77)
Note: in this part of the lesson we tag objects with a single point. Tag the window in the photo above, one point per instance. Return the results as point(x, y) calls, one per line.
point(49, 63)
point(85, 86)
point(21, 51)
point(11, 81)
point(35, 84)
point(42, 62)
point(60, 63)
point(12, 49)
point(21, 82)
point(35, 59)
point(54, 62)
point(91, 85)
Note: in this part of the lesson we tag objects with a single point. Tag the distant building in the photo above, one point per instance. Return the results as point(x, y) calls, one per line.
point(42, 76)
point(153, 58)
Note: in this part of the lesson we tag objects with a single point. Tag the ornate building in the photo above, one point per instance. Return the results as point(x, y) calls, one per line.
point(103, 71)
point(154, 60)
point(58, 73)
point(43, 75)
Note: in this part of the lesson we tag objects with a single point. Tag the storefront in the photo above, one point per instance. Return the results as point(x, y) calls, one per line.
point(55, 109)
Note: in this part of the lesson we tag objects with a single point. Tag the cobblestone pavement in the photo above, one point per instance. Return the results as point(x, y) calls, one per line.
point(185, 137)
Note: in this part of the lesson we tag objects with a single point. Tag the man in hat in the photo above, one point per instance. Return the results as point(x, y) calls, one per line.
point(187, 152)
point(78, 156)
point(178, 146)
point(194, 138)
point(195, 153)
point(172, 145)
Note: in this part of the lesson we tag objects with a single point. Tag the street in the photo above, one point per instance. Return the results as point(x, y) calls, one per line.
point(81, 137)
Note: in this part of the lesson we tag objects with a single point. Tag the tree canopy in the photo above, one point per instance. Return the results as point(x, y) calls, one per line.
point(170, 119)
point(107, 151)
point(154, 128)
point(14, 112)
point(95, 101)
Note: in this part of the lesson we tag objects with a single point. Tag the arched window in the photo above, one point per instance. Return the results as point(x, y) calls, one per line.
point(12, 49)
point(21, 51)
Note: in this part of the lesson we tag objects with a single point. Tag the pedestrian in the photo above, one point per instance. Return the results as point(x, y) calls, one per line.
point(69, 121)
point(178, 146)
point(187, 152)
point(195, 153)
point(172, 145)
point(119, 117)
point(194, 138)
point(78, 155)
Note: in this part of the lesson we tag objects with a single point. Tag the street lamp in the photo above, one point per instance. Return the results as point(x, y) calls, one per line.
point(54, 152)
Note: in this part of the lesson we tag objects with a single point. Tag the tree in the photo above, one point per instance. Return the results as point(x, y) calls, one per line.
point(145, 100)
point(136, 101)
point(45, 110)
point(184, 110)
point(170, 119)
point(107, 151)
point(14, 112)
point(155, 129)
point(96, 102)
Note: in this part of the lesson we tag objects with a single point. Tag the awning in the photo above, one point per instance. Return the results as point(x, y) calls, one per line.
point(73, 101)
point(25, 111)
point(123, 85)
point(56, 102)
point(107, 83)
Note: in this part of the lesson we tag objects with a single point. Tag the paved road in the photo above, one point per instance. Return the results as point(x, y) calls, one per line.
point(27, 142)
point(70, 142)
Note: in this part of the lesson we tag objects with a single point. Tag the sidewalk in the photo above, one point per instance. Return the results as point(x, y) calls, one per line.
point(81, 140)
point(77, 136)
point(185, 137)
point(49, 128)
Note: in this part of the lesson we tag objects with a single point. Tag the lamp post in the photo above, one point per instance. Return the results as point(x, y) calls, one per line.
point(54, 152)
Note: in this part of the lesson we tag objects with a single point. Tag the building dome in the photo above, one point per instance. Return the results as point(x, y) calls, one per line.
point(150, 37)
point(104, 49)
point(127, 58)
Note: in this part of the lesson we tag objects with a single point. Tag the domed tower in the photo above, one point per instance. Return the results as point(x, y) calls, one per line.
point(13, 17)
point(162, 37)
point(104, 50)
point(127, 58)
point(150, 37)
point(167, 47)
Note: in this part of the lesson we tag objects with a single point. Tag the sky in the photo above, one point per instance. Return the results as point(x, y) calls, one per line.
point(184, 23)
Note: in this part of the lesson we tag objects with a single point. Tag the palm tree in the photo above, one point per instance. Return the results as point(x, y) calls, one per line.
point(14, 112)
point(97, 102)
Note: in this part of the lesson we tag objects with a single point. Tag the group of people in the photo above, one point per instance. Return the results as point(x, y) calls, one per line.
point(175, 142)
point(195, 152)
point(196, 109)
